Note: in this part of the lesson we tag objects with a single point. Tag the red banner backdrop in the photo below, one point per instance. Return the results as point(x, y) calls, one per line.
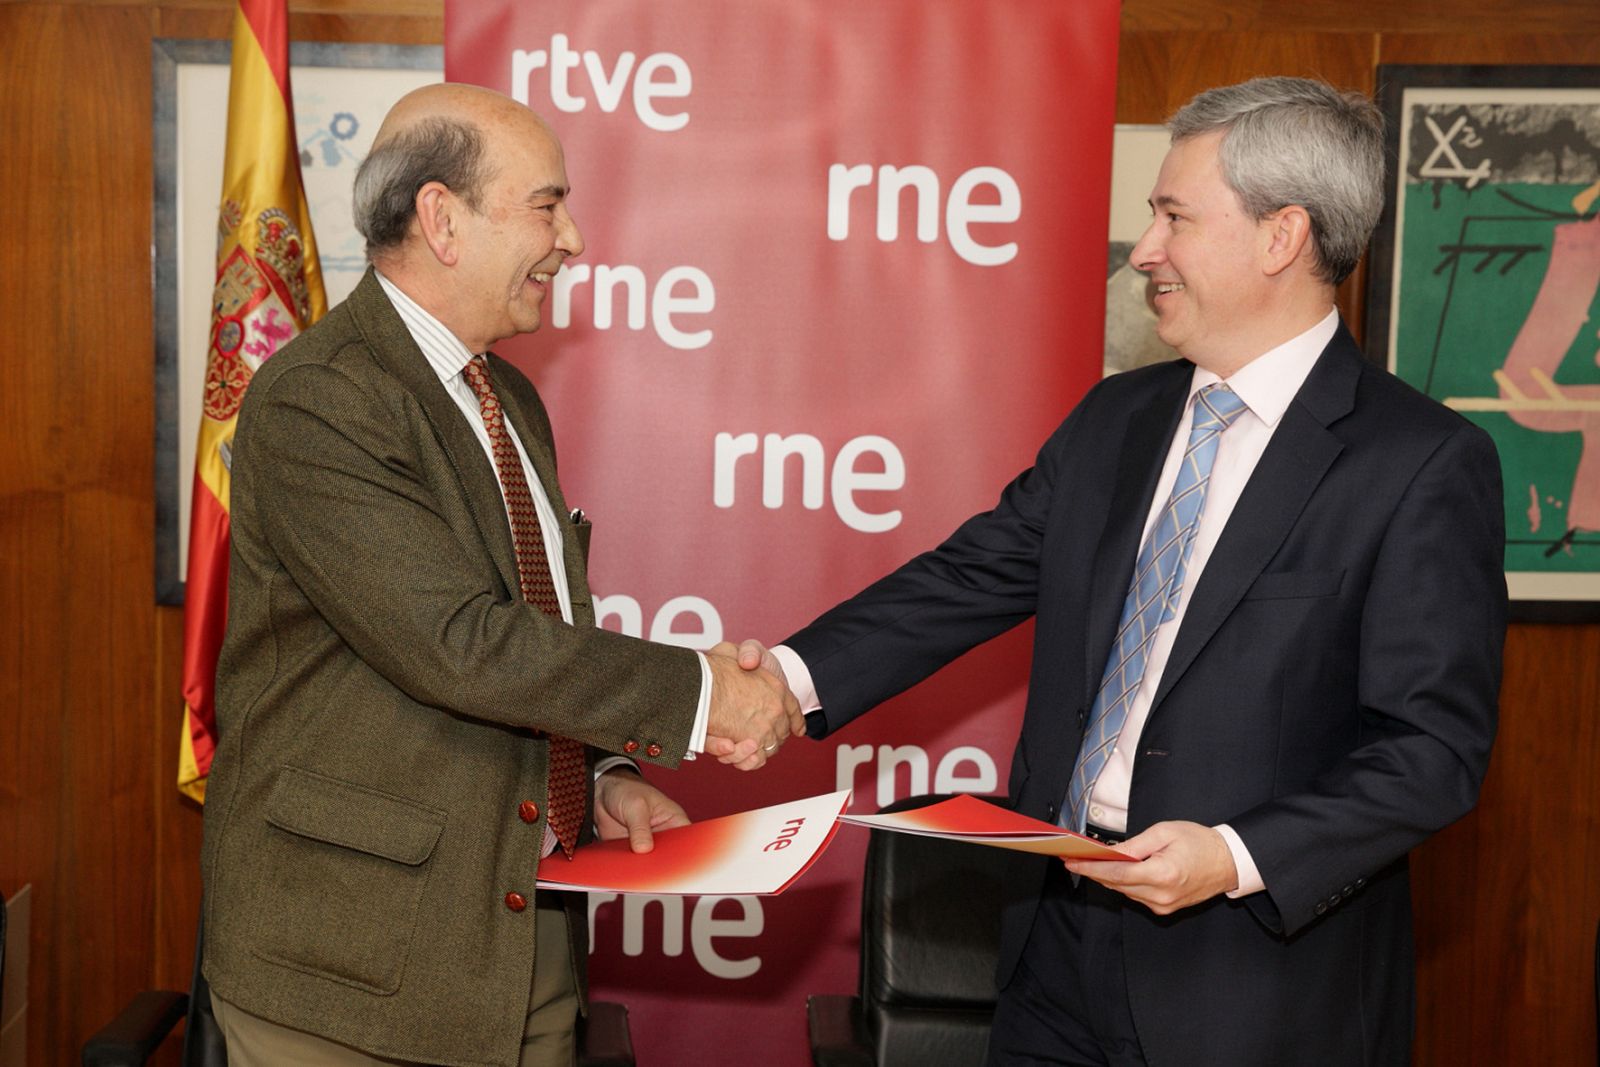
point(845, 273)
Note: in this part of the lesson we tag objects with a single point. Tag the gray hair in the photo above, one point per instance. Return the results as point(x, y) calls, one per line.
point(444, 150)
point(1302, 142)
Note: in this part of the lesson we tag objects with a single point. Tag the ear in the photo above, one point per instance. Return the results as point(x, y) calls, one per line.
point(1286, 236)
point(437, 212)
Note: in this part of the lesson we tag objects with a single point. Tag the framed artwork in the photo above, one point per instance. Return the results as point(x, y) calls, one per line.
point(1484, 293)
point(1131, 341)
point(341, 93)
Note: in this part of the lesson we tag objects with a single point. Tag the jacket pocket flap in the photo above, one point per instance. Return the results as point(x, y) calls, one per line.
point(353, 816)
point(1285, 585)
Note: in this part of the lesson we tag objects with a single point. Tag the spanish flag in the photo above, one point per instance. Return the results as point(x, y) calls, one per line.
point(268, 288)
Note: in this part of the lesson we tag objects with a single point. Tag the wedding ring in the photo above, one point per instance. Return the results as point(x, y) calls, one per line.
point(771, 748)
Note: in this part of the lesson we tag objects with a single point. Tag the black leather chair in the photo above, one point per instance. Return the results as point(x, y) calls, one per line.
point(930, 927)
point(129, 1040)
point(144, 1024)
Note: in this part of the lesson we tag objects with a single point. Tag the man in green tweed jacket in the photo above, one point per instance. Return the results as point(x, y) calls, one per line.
point(407, 647)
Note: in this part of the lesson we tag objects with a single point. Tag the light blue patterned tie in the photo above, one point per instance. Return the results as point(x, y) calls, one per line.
point(1153, 596)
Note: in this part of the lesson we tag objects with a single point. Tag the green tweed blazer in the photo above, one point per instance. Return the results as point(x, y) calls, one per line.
point(380, 691)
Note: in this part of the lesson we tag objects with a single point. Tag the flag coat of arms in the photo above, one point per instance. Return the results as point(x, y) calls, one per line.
point(268, 288)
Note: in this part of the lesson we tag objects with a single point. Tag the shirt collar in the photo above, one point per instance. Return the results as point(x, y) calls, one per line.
point(1270, 381)
point(444, 352)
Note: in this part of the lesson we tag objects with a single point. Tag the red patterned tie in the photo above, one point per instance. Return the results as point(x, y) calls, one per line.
point(568, 789)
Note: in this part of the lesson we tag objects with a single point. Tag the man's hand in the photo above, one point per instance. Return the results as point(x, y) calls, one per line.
point(625, 805)
point(752, 710)
point(1181, 863)
point(753, 654)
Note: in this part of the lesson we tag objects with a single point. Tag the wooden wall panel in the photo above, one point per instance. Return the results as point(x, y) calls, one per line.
point(1574, 48)
point(1157, 72)
point(31, 524)
point(177, 829)
point(77, 500)
point(1486, 18)
point(392, 26)
point(89, 666)
point(88, 810)
point(1508, 899)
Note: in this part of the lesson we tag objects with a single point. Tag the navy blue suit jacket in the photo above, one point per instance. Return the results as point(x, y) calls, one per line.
point(1331, 693)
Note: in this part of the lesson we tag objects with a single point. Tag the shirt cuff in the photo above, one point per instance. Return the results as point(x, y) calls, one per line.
point(611, 763)
point(601, 766)
point(702, 713)
point(798, 677)
point(1249, 878)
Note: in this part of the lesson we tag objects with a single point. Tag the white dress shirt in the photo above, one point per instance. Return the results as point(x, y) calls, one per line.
point(448, 357)
point(1267, 385)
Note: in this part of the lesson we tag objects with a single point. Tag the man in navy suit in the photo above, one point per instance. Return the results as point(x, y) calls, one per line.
point(1268, 586)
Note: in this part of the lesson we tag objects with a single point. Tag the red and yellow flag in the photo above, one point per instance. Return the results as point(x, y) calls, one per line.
point(268, 288)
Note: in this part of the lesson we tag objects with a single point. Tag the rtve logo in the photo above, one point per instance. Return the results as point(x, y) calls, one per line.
point(660, 75)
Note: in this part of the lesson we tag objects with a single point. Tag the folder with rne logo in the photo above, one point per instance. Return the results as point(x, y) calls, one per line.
point(752, 853)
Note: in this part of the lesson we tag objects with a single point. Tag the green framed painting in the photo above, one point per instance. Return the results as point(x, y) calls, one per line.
point(1484, 293)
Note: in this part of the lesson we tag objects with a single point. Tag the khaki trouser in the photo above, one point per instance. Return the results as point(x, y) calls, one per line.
point(547, 1036)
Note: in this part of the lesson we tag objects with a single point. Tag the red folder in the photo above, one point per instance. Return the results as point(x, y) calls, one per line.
point(753, 853)
point(966, 818)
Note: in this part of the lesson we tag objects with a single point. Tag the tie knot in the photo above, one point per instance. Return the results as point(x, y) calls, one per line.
point(476, 372)
point(1215, 407)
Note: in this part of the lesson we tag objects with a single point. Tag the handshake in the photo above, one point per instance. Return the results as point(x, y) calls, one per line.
point(753, 711)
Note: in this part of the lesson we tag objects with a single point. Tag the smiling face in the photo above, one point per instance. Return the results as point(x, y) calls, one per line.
point(1204, 256)
point(514, 245)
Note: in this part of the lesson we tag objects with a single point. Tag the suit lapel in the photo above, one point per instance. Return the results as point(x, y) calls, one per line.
point(1143, 452)
point(541, 454)
point(1293, 465)
point(397, 352)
